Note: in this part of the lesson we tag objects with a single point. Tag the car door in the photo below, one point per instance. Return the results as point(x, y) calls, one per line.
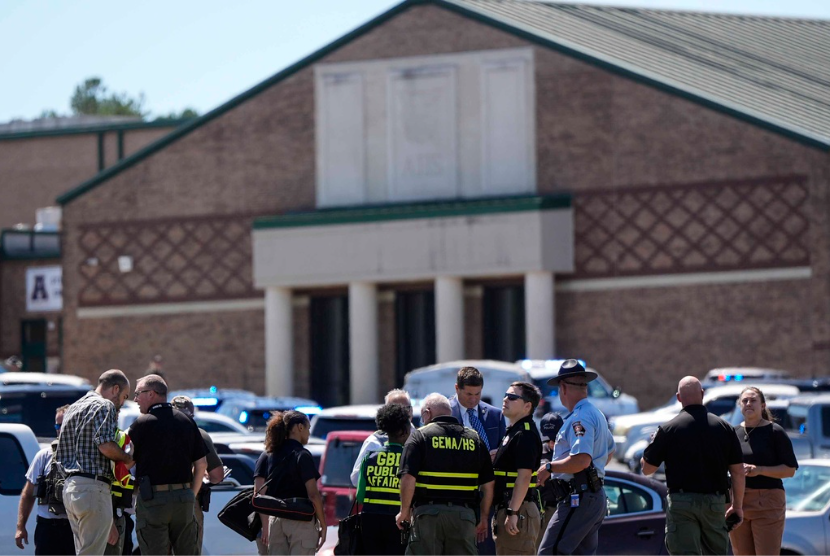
point(635, 523)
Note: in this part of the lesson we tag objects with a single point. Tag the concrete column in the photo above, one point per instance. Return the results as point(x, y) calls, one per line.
point(539, 315)
point(279, 342)
point(363, 343)
point(449, 318)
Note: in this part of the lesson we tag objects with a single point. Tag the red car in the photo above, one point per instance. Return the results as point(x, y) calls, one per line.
point(336, 465)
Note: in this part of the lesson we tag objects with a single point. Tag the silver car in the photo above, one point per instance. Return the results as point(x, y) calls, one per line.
point(807, 528)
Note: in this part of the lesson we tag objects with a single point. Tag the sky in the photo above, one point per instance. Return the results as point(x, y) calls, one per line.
point(201, 53)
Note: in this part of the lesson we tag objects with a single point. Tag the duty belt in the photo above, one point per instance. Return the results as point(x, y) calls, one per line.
point(174, 486)
point(418, 503)
point(101, 478)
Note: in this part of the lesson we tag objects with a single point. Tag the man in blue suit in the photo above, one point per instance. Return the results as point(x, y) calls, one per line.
point(483, 418)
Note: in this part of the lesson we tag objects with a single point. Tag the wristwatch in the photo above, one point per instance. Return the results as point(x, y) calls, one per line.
point(547, 467)
point(509, 512)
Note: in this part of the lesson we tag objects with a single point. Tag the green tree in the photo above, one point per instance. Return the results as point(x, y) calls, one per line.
point(92, 97)
point(185, 114)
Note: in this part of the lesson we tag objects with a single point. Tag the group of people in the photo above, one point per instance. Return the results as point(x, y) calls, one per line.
point(724, 483)
point(472, 479)
point(469, 480)
point(94, 475)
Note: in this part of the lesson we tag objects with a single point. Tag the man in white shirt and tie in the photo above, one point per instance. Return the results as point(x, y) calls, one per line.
point(483, 418)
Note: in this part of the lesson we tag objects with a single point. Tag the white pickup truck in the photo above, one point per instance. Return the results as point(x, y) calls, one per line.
point(18, 447)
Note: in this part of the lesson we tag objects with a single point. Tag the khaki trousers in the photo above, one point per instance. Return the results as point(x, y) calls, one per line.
point(89, 508)
point(763, 525)
point(530, 522)
point(288, 536)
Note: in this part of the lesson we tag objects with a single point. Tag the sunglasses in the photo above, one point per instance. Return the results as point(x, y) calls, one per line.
point(514, 397)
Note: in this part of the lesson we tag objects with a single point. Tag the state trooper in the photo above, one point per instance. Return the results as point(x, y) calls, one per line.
point(583, 447)
point(442, 468)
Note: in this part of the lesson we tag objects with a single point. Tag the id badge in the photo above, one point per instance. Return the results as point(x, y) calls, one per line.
point(574, 500)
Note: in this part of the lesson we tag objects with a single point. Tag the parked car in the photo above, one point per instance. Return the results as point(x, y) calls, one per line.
point(636, 520)
point(34, 405)
point(211, 399)
point(342, 448)
point(611, 401)
point(738, 374)
point(44, 379)
point(807, 526)
point(207, 420)
point(344, 418)
point(498, 375)
point(18, 447)
point(809, 419)
point(254, 413)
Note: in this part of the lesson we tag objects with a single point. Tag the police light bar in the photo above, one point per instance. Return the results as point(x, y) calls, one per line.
point(552, 364)
point(243, 417)
point(728, 378)
point(205, 402)
point(309, 409)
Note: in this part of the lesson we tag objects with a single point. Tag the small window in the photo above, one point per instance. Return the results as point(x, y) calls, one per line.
point(623, 500)
point(240, 470)
point(13, 466)
point(825, 421)
point(340, 458)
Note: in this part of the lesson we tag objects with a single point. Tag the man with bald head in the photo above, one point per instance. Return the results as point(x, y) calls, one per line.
point(443, 466)
point(698, 449)
point(86, 448)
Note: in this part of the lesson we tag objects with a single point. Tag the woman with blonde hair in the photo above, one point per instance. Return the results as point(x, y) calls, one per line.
point(768, 458)
point(292, 474)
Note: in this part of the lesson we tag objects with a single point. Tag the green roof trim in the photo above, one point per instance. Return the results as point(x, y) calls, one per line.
point(477, 15)
point(88, 130)
point(410, 211)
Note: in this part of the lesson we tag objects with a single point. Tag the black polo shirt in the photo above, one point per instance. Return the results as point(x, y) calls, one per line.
point(166, 443)
point(445, 446)
point(698, 449)
point(768, 445)
point(521, 448)
point(291, 466)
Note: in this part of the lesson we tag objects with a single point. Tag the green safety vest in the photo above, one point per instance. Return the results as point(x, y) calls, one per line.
point(382, 487)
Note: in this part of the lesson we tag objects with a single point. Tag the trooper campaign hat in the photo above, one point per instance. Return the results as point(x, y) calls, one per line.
point(572, 368)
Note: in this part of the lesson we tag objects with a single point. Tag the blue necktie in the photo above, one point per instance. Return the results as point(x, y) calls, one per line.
point(472, 414)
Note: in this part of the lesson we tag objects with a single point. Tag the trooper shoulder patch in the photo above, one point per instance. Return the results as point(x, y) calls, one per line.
point(579, 430)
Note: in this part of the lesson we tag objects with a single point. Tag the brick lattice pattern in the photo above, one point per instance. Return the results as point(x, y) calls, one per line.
point(174, 260)
point(693, 228)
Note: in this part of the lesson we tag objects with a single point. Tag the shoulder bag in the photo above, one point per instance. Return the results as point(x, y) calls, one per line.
point(349, 540)
point(240, 515)
point(298, 509)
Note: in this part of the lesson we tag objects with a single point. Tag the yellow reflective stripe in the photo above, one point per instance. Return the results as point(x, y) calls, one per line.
point(445, 487)
point(445, 474)
point(386, 502)
point(527, 426)
point(510, 473)
point(511, 485)
point(382, 489)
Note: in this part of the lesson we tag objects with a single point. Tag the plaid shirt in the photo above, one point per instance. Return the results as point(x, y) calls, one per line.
point(88, 423)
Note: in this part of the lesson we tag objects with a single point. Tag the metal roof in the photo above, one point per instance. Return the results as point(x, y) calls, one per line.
point(772, 69)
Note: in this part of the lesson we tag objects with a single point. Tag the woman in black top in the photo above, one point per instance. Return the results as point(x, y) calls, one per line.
point(768, 458)
point(292, 474)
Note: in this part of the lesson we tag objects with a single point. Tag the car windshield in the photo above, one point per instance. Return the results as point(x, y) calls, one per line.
point(809, 489)
point(340, 458)
point(322, 425)
point(35, 409)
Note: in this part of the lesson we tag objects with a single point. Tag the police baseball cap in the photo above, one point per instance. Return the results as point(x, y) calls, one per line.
point(550, 425)
point(572, 368)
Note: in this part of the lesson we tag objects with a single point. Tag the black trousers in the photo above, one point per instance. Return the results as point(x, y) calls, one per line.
point(53, 536)
point(380, 535)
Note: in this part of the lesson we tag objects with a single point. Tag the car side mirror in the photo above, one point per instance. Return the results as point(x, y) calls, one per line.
point(617, 392)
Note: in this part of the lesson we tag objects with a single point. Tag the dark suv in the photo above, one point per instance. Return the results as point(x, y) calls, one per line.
point(35, 404)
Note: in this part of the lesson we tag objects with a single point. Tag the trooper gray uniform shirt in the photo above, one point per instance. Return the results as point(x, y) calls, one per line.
point(573, 529)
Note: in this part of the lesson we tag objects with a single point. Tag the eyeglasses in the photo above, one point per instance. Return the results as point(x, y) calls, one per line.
point(514, 397)
point(578, 384)
point(139, 392)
